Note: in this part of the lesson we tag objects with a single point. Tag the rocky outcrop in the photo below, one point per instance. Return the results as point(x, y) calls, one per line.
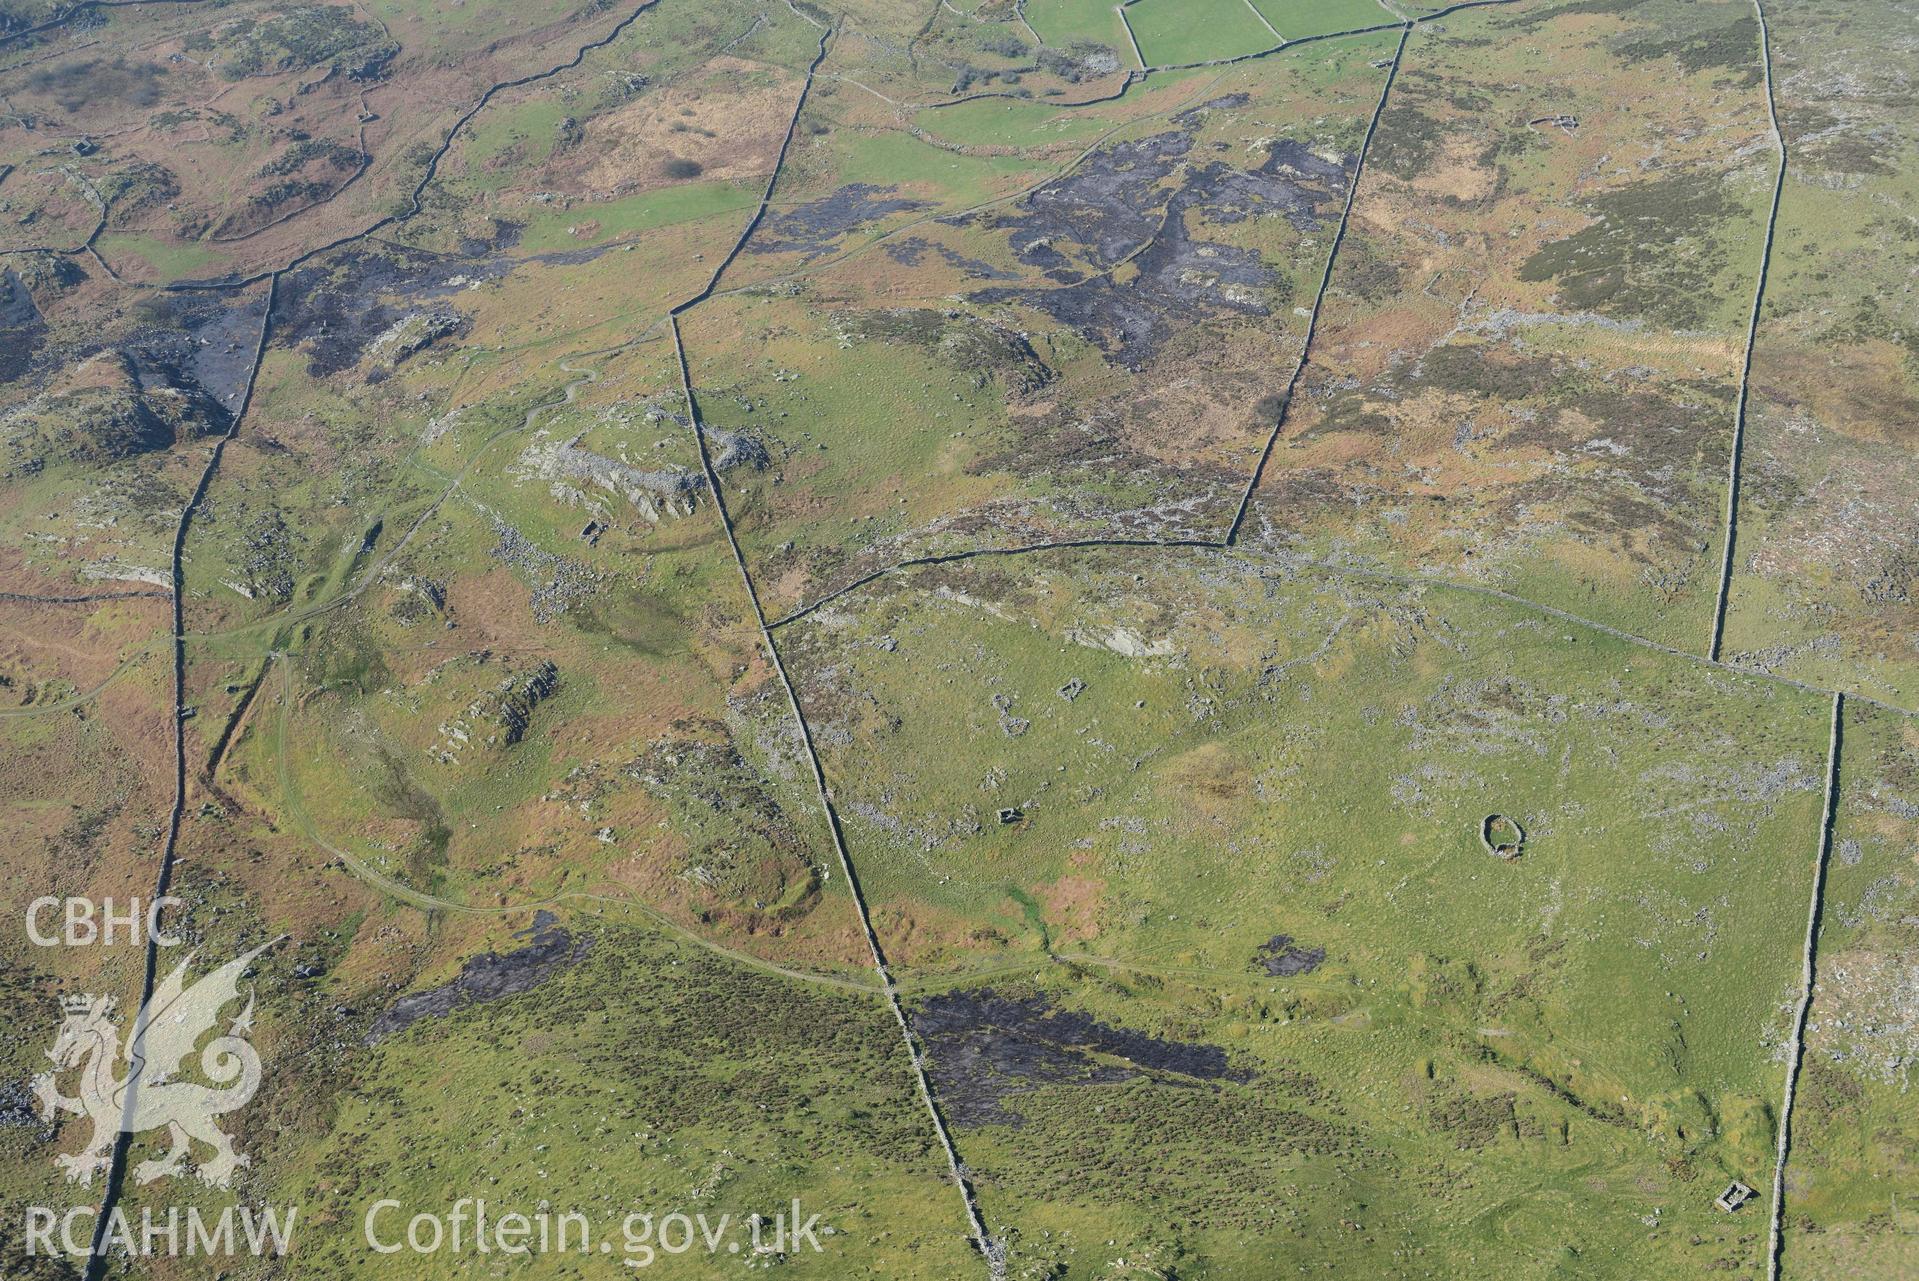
point(413, 333)
point(654, 493)
point(501, 716)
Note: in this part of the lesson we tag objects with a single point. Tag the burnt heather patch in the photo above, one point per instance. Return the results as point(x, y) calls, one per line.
point(986, 1047)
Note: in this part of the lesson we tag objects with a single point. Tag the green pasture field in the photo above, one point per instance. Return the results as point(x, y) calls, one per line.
point(1209, 760)
point(1171, 32)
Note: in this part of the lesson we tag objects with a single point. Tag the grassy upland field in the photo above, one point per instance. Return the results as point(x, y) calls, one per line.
point(1170, 32)
point(1297, 19)
point(1247, 843)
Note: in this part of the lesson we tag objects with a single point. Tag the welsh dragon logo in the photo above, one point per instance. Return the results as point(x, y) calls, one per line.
point(148, 1096)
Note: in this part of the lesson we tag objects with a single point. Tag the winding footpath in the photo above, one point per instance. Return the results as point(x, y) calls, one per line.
point(425, 902)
